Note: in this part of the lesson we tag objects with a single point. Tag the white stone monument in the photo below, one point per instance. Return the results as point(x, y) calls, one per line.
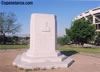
point(42, 52)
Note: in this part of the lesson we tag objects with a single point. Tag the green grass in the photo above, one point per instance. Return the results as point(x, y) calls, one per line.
point(62, 48)
point(87, 50)
point(13, 46)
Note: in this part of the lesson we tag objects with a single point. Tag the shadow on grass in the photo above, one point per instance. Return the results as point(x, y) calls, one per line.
point(68, 53)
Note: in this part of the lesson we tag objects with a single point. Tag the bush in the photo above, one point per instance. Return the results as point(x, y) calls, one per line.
point(63, 40)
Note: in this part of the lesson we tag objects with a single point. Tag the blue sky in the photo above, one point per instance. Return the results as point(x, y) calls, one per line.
point(65, 10)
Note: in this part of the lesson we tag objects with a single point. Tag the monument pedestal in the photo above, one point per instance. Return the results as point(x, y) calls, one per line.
point(42, 52)
point(25, 62)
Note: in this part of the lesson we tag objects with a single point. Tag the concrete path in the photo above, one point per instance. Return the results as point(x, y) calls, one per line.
point(83, 63)
point(91, 54)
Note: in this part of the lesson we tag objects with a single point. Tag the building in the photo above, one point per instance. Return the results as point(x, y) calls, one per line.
point(93, 15)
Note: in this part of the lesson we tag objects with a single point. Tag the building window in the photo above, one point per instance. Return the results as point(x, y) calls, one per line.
point(97, 26)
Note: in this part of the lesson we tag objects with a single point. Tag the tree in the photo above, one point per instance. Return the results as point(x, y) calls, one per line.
point(15, 39)
point(97, 41)
point(1, 39)
point(81, 31)
point(63, 40)
point(8, 25)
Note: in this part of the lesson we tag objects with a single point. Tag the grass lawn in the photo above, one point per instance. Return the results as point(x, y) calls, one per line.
point(13, 46)
point(87, 50)
point(62, 48)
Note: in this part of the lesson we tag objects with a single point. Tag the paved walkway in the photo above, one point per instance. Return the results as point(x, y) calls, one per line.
point(83, 63)
point(91, 54)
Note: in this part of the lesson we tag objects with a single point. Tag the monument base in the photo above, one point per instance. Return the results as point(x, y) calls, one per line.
point(22, 61)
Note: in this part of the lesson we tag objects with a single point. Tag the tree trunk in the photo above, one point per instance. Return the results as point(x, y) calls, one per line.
point(4, 39)
point(82, 44)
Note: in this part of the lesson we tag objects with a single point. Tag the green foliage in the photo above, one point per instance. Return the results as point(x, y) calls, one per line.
point(68, 32)
point(97, 41)
point(12, 39)
point(81, 31)
point(63, 40)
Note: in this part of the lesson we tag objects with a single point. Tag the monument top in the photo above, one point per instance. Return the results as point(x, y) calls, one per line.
point(43, 14)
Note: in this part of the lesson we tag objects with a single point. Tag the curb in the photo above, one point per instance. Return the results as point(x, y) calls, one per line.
point(91, 54)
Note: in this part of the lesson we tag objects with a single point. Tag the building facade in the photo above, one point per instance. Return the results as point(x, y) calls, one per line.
point(93, 15)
